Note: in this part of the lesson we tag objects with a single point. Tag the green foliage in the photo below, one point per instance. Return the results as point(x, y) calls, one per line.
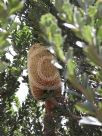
point(6, 10)
point(92, 54)
point(86, 108)
point(84, 19)
point(3, 65)
point(61, 24)
point(53, 33)
point(89, 35)
point(6, 24)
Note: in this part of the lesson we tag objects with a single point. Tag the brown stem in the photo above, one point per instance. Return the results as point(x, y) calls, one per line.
point(49, 125)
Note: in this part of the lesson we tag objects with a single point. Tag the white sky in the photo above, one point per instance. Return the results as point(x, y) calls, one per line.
point(23, 89)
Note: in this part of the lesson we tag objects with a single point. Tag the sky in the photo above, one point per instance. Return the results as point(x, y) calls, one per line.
point(23, 89)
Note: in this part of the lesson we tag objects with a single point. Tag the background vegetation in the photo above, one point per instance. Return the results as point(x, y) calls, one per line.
point(74, 30)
